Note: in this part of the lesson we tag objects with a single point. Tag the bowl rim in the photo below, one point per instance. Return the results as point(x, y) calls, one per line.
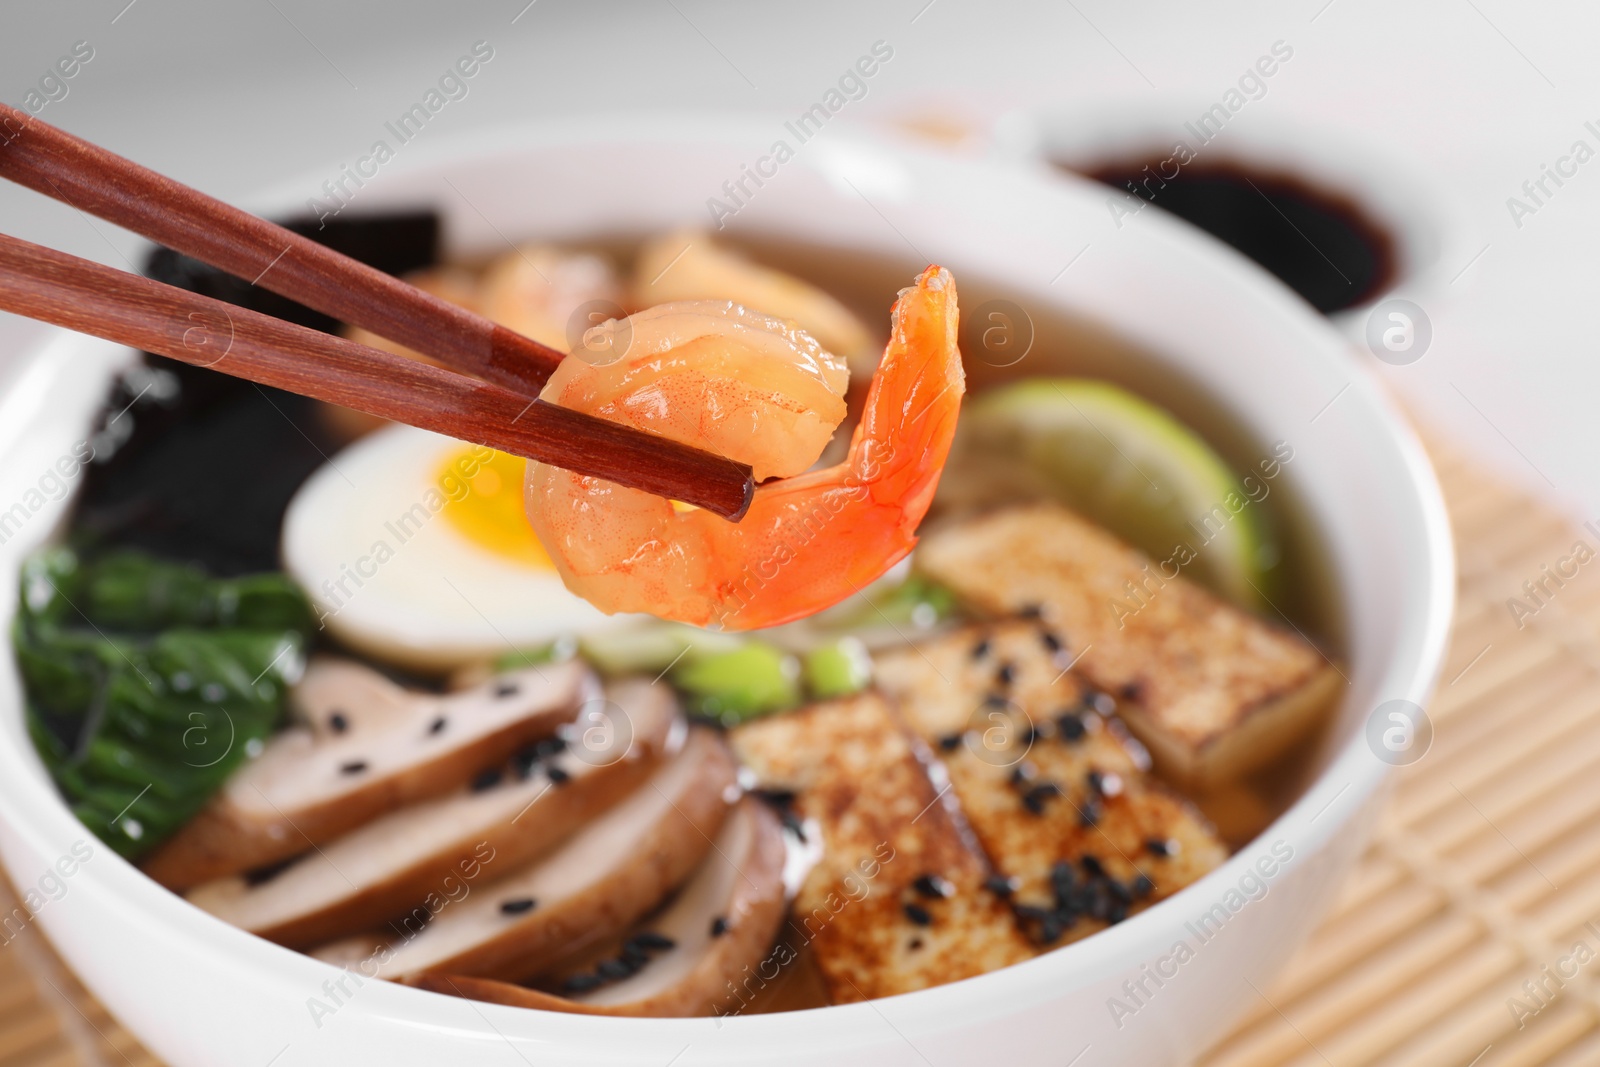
point(36, 814)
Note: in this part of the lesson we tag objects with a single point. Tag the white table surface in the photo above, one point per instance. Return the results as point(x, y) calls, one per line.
point(1474, 95)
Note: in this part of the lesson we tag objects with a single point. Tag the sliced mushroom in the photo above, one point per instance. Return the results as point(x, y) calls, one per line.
point(616, 870)
point(543, 293)
point(451, 284)
point(689, 265)
point(685, 960)
point(365, 747)
point(427, 852)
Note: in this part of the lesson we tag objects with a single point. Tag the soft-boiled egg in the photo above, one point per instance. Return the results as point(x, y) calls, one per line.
point(414, 549)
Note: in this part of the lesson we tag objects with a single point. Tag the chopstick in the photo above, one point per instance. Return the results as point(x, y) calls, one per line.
point(51, 161)
point(133, 310)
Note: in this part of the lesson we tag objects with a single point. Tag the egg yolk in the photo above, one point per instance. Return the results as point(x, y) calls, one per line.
point(490, 512)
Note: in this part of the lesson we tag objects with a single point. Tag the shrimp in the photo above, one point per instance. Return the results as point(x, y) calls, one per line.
point(757, 390)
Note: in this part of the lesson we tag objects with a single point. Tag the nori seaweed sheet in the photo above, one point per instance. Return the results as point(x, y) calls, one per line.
point(204, 473)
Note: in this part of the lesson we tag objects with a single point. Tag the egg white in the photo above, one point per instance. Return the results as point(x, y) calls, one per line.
point(389, 575)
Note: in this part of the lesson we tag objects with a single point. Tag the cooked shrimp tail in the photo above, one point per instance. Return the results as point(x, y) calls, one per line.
point(809, 540)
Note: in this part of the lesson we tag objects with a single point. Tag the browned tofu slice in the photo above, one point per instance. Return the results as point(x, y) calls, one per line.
point(897, 900)
point(1057, 795)
point(1213, 691)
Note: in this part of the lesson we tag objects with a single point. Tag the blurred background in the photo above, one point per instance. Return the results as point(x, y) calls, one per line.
point(1432, 114)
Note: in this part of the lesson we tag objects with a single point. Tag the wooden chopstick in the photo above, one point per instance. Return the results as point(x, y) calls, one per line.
point(129, 309)
point(53, 162)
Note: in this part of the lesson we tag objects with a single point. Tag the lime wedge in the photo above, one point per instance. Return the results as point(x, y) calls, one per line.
point(1123, 463)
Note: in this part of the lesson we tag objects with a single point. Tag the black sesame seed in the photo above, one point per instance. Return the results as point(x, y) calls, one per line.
point(981, 649)
point(635, 955)
point(1000, 885)
point(557, 775)
point(486, 779)
point(518, 906)
point(914, 944)
point(795, 825)
point(1157, 847)
point(1063, 879)
point(1096, 781)
point(1050, 929)
point(1090, 813)
point(1142, 887)
point(1071, 727)
point(265, 874)
point(1116, 913)
point(1050, 640)
point(507, 689)
point(1131, 691)
point(522, 762)
point(1023, 773)
point(651, 941)
point(338, 723)
point(917, 914)
point(1005, 674)
point(582, 983)
point(355, 766)
point(780, 798)
point(1119, 892)
point(550, 746)
point(931, 885)
point(1029, 735)
point(950, 742)
point(1092, 866)
point(616, 969)
point(437, 725)
point(1030, 913)
point(1030, 611)
point(995, 700)
point(719, 926)
point(1034, 803)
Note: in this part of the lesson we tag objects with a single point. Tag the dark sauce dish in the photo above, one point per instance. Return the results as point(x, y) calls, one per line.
point(1320, 243)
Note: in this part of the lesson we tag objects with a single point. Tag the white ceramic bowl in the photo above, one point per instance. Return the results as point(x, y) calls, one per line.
point(202, 994)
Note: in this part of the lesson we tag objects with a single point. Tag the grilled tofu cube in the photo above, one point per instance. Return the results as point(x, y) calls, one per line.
point(897, 901)
point(1058, 796)
point(1213, 691)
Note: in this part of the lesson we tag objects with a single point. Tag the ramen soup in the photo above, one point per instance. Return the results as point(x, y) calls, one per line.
point(962, 691)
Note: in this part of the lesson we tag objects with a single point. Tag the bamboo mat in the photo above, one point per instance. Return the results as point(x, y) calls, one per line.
point(1485, 869)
